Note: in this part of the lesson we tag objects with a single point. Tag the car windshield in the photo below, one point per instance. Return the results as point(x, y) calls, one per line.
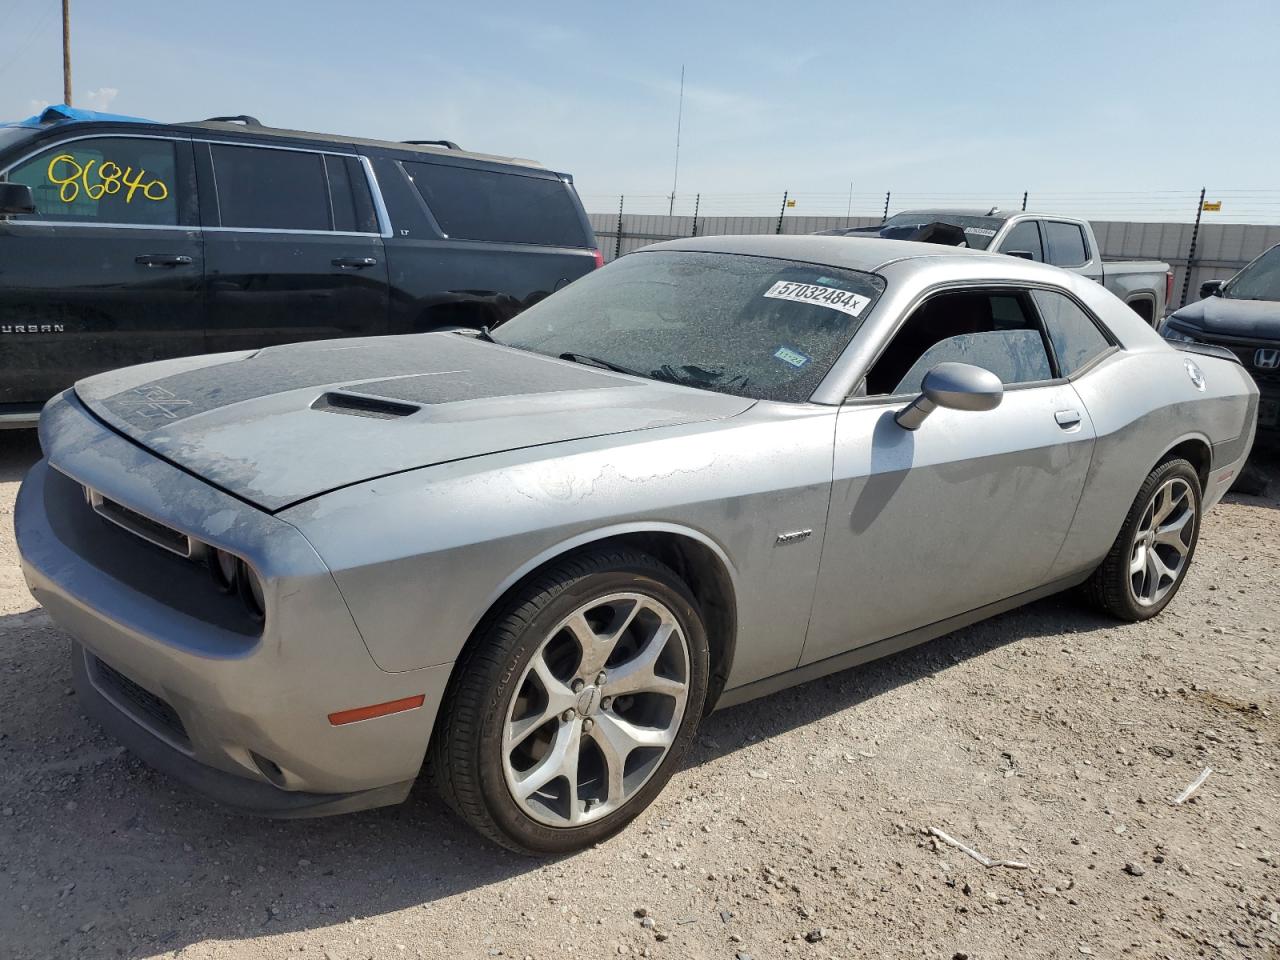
point(750, 326)
point(1260, 280)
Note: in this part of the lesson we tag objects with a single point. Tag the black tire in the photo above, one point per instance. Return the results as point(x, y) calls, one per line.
point(465, 758)
point(1110, 587)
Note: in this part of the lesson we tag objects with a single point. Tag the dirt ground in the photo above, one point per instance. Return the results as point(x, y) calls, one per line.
point(797, 828)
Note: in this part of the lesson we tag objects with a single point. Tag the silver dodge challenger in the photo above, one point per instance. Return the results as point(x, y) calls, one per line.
point(528, 561)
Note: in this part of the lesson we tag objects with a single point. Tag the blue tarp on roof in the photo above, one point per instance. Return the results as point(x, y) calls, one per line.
point(64, 114)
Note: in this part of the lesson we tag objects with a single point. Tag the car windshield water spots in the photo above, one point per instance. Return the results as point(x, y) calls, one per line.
point(1258, 281)
point(749, 326)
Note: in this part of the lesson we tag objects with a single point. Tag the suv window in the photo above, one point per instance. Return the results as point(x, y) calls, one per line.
point(349, 196)
point(1076, 338)
point(474, 204)
point(993, 330)
point(1066, 244)
point(104, 180)
point(271, 189)
point(1024, 236)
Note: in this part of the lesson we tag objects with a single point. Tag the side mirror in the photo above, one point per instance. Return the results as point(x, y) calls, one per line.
point(1024, 254)
point(958, 386)
point(16, 198)
point(1211, 288)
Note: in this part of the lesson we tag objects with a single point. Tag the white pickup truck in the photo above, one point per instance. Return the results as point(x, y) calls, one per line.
point(1067, 242)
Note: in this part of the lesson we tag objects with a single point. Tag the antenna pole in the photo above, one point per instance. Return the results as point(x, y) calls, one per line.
point(66, 52)
point(675, 178)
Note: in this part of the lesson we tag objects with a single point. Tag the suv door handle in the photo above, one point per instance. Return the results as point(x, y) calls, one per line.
point(354, 263)
point(163, 260)
point(1067, 418)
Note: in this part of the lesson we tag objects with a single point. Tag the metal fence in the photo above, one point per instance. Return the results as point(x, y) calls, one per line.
point(1220, 248)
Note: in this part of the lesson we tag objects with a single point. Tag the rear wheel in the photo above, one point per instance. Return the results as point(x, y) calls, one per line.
point(1151, 556)
point(575, 704)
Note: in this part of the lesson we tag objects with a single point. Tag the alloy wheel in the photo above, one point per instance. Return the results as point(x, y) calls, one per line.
point(1162, 542)
point(597, 709)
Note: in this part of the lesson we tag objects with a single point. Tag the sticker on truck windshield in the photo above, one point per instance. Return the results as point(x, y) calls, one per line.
point(846, 301)
point(980, 231)
point(793, 357)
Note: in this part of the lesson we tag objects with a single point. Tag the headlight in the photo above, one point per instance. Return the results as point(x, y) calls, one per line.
point(1170, 332)
point(232, 575)
point(222, 566)
point(251, 591)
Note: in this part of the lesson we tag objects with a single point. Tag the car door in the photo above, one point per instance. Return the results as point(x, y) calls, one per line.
point(292, 246)
point(969, 509)
point(108, 271)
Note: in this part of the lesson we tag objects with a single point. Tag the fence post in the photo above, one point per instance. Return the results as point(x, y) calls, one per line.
point(617, 243)
point(1024, 200)
point(782, 211)
point(1191, 251)
point(886, 207)
point(697, 201)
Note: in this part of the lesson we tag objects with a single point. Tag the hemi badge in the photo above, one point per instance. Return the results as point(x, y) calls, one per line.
point(794, 537)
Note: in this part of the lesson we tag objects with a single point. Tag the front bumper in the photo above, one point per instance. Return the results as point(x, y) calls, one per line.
point(240, 715)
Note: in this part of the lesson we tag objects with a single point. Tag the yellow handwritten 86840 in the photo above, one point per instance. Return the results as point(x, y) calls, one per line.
point(71, 178)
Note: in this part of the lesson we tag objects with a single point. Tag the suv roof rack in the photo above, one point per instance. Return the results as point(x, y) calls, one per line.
point(244, 118)
point(432, 143)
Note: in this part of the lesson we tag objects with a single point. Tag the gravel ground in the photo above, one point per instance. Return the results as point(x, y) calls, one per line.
point(797, 828)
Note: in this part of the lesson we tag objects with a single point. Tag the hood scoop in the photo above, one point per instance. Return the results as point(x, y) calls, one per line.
point(353, 405)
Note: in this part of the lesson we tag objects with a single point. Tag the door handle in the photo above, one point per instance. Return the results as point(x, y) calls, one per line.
point(163, 260)
point(354, 263)
point(1067, 418)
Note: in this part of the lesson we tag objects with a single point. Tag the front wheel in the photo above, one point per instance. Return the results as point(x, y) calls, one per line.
point(574, 704)
point(1153, 552)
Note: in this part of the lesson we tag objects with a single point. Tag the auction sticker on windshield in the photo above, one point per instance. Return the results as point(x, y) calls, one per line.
point(846, 301)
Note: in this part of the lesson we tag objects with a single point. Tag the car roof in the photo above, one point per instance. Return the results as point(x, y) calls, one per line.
point(240, 129)
point(63, 118)
point(868, 254)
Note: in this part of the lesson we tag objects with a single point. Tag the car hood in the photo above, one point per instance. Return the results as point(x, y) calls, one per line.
point(1233, 318)
point(284, 424)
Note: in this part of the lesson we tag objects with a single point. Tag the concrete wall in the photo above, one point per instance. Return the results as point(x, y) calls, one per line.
point(1221, 249)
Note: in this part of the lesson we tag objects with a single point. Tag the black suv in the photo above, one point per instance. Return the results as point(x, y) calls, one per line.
point(139, 241)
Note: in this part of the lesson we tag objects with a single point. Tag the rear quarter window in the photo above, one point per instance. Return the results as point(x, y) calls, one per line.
point(473, 204)
point(1066, 244)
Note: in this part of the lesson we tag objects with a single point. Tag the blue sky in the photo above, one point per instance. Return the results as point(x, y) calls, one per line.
point(1081, 102)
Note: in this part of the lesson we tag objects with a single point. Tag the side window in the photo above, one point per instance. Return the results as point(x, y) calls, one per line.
point(271, 189)
point(1025, 236)
point(1076, 338)
point(994, 330)
point(474, 204)
point(349, 195)
point(1066, 244)
point(105, 180)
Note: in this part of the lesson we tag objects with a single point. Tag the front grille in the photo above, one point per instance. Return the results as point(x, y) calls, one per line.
point(1247, 352)
point(139, 525)
point(151, 711)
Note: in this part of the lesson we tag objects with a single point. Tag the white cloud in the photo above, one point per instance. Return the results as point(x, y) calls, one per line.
point(101, 98)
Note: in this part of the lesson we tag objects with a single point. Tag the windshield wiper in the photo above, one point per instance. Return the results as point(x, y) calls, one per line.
point(598, 362)
point(485, 334)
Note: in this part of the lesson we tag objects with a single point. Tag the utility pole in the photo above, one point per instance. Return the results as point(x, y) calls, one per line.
point(675, 179)
point(66, 52)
